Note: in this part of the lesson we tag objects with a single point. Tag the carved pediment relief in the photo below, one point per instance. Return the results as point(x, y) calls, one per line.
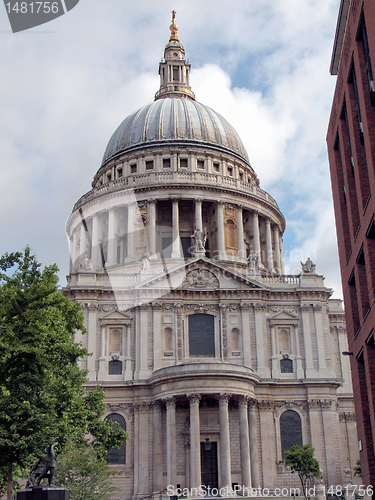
point(200, 278)
point(283, 318)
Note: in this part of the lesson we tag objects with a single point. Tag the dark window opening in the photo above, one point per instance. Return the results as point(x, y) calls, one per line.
point(201, 335)
point(115, 367)
point(286, 366)
point(133, 168)
point(353, 304)
point(119, 172)
point(362, 36)
point(166, 244)
point(166, 163)
point(353, 80)
point(117, 456)
point(216, 167)
point(183, 163)
point(176, 74)
point(290, 430)
point(149, 165)
point(230, 171)
point(200, 163)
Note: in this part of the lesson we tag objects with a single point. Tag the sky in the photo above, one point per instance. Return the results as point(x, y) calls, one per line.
point(66, 85)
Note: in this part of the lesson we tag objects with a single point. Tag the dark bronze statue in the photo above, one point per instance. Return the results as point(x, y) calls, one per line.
point(43, 467)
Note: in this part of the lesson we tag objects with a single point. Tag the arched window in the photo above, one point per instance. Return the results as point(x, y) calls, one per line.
point(115, 367)
point(116, 457)
point(202, 335)
point(290, 430)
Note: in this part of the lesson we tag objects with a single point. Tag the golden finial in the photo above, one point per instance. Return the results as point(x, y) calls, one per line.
point(173, 27)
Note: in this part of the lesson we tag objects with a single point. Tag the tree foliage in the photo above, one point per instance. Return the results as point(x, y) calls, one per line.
point(41, 384)
point(301, 461)
point(86, 476)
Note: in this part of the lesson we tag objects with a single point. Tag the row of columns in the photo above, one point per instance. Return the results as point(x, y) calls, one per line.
point(248, 443)
point(272, 259)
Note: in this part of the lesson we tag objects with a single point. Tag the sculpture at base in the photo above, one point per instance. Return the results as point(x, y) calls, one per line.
point(44, 467)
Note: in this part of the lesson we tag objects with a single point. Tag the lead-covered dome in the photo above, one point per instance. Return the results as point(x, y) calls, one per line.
point(174, 119)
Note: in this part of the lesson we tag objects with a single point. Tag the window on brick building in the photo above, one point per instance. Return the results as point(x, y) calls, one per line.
point(353, 80)
point(362, 36)
point(363, 284)
point(354, 303)
point(370, 241)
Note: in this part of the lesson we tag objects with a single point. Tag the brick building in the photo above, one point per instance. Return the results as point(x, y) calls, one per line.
point(351, 148)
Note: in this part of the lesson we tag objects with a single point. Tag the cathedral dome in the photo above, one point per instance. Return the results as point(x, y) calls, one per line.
point(174, 120)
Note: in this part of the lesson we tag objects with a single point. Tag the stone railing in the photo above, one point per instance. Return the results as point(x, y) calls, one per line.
point(283, 279)
point(177, 178)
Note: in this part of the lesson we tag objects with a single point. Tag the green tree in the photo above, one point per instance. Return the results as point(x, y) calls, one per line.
point(301, 461)
point(86, 476)
point(41, 384)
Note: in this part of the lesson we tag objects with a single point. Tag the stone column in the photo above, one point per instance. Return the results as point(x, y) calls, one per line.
point(254, 445)
point(256, 235)
point(158, 447)
point(171, 441)
point(152, 227)
point(220, 230)
point(175, 230)
point(226, 478)
point(276, 248)
point(83, 242)
point(244, 441)
point(241, 242)
point(112, 241)
point(95, 250)
point(143, 452)
point(198, 215)
point(195, 441)
point(269, 256)
point(130, 231)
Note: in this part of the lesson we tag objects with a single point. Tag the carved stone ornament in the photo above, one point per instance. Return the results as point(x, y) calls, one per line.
point(200, 278)
point(308, 267)
point(85, 264)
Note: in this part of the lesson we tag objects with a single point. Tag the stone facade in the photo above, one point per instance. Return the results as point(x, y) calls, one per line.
point(213, 358)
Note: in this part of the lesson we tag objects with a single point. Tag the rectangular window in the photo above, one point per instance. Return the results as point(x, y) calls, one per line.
point(230, 171)
point(133, 168)
point(119, 173)
point(183, 162)
point(202, 335)
point(149, 165)
point(166, 163)
point(241, 176)
point(176, 75)
point(362, 35)
point(200, 164)
point(363, 284)
point(353, 80)
point(216, 167)
point(354, 303)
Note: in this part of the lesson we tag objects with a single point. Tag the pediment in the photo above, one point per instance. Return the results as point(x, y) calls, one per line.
point(201, 274)
point(115, 316)
point(284, 317)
